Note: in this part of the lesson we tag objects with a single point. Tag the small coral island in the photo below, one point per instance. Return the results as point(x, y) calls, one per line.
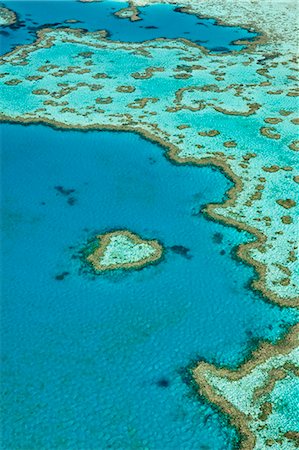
point(128, 13)
point(7, 17)
point(124, 250)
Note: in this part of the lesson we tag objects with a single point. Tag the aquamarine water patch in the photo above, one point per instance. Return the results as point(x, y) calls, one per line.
point(100, 352)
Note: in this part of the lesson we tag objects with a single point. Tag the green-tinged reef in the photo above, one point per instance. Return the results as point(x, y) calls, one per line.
point(131, 13)
point(7, 17)
point(212, 117)
point(261, 397)
point(123, 249)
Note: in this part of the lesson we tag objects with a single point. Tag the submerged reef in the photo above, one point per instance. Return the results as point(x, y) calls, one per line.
point(207, 117)
point(131, 12)
point(7, 17)
point(124, 250)
point(261, 396)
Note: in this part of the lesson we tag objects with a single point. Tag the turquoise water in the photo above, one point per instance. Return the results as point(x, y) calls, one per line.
point(157, 21)
point(100, 362)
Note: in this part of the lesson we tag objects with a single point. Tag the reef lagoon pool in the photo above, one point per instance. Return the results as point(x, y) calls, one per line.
point(100, 361)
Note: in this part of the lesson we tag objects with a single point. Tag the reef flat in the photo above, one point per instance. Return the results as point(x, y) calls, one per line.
point(261, 397)
point(7, 17)
point(124, 250)
point(108, 353)
point(236, 111)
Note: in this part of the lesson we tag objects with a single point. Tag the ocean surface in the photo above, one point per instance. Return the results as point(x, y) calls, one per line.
point(157, 21)
point(98, 362)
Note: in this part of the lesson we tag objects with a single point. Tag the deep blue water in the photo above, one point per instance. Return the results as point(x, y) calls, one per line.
point(157, 21)
point(95, 362)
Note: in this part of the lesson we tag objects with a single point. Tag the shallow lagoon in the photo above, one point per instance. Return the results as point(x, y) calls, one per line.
point(95, 362)
point(157, 21)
